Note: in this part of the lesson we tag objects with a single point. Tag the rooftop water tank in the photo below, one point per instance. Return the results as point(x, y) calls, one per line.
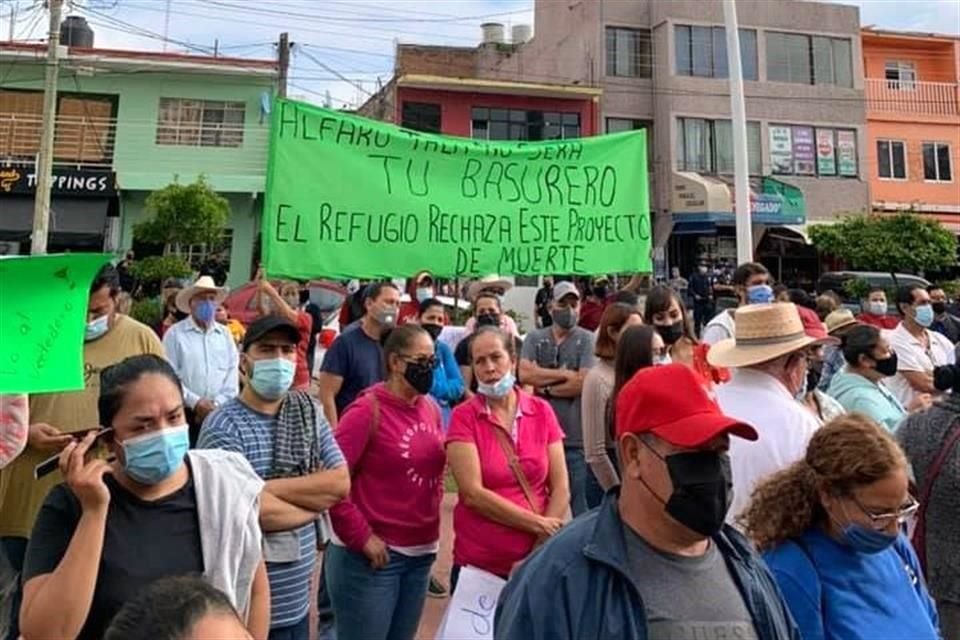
point(520, 33)
point(75, 32)
point(492, 33)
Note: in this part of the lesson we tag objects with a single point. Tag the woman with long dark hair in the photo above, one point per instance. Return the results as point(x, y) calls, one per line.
point(665, 311)
point(638, 348)
point(598, 446)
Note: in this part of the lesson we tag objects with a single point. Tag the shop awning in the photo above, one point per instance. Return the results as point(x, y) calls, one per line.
point(698, 198)
point(84, 216)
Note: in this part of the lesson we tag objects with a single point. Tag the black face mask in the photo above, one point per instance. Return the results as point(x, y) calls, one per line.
point(488, 320)
point(432, 329)
point(670, 332)
point(600, 292)
point(939, 308)
point(813, 378)
point(887, 366)
point(702, 489)
point(420, 376)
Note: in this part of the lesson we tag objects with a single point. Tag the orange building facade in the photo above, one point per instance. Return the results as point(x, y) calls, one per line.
point(912, 86)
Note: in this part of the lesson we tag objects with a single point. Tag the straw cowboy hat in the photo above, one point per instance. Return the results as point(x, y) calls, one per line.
point(840, 319)
point(763, 332)
point(202, 285)
point(487, 282)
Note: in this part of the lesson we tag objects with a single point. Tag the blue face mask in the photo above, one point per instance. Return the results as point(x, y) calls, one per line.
point(498, 389)
point(96, 328)
point(155, 456)
point(205, 311)
point(424, 293)
point(924, 315)
point(867, 540)
point(759, 294)
point(272, 378)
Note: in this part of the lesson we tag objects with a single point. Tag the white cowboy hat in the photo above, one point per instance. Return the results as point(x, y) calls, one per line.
point(764, 332)
point(487, 282)
point(202, 285)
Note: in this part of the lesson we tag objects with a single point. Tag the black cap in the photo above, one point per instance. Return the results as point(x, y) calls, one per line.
point(265, 325)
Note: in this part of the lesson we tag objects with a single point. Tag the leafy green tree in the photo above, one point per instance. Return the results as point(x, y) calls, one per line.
point(904, 242)
point(182, 215)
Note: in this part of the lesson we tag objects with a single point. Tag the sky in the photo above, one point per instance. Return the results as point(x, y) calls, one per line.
point(344, 48)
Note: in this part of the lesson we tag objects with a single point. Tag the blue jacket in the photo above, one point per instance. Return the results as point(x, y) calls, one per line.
point(447, 382)
point(579, 586)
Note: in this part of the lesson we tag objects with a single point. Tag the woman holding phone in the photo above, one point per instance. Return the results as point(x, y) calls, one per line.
point(113, 528)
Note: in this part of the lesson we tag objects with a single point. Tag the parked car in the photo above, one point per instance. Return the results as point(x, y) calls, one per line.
point(836, 281)
point(327, 295)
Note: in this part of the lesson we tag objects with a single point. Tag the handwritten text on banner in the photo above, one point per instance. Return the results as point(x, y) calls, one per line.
point(351, 197)
point(43, 300)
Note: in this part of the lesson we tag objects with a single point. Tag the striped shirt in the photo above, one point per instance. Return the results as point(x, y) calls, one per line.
point(237, 427)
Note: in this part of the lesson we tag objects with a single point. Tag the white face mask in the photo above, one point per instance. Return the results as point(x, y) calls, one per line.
point(877, 308)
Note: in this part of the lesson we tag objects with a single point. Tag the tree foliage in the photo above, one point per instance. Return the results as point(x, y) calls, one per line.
point(150, 272)
point(184, 214)
point(900, 243)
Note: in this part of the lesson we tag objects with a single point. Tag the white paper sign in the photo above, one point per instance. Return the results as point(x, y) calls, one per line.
point(469, 615)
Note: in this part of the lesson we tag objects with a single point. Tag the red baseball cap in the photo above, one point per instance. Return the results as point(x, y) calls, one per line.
point(671, 403)
point(813, 327)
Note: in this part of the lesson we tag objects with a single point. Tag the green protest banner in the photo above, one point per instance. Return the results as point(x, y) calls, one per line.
point(43, 314)
point(351, 197)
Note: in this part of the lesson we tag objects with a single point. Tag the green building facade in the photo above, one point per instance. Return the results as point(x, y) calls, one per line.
point(129, 123)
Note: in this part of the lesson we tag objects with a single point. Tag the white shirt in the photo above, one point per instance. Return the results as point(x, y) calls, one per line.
point(912, 356)
point(720, 328)
point(207, 362)
point(784, 426)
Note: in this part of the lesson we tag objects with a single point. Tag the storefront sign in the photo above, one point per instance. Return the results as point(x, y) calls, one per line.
point(804, 151)
point(847, 153)
point(826, 154)
point(22, 179)
point(456, 207)
point(781, 150)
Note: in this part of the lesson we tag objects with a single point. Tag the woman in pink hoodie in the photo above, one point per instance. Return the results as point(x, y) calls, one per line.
point(387, 532)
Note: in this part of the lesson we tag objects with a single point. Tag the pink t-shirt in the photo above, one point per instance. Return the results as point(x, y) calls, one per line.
point(479, 541)
point(397, 476)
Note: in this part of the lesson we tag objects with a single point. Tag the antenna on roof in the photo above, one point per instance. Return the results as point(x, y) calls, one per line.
point(166, 25)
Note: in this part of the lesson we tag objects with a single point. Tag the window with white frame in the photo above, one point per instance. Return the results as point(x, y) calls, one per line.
point(901, 75)
point(629, 52)
point(936, 162)
point(706, 146)
point(197, 254)
point(892, 159)
point(200, 123)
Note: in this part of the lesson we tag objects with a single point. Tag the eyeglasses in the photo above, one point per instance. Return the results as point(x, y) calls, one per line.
point(884, 520)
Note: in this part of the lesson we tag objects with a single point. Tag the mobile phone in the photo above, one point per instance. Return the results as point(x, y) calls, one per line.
point(50, 465)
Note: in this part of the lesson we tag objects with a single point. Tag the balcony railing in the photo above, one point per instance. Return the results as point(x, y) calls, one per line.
point(78, 140)
point(912, 97)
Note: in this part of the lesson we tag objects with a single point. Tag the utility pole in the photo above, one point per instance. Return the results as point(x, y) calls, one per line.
point(13, 20)
point(44, 168)
point(284, 63)
point(738, 112)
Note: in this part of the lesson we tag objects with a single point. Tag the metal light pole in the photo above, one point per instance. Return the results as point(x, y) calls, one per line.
point(44, 168)
point(738, 112)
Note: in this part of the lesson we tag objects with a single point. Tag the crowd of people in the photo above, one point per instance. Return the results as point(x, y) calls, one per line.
point(630, 468)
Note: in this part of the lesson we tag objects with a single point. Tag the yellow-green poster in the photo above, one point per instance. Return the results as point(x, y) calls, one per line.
point(351, 197)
